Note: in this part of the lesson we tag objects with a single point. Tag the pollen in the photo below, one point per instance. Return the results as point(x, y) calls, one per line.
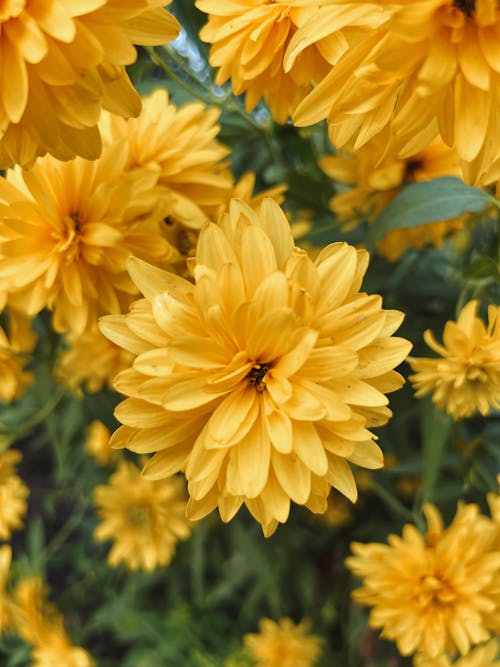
point(257, 375)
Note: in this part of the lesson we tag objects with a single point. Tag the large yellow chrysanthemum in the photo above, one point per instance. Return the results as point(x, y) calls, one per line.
point(261, 380)
point(249, 39)
point(283, 644)
point(375, 184)
point(433, 593)
point(67, 229)
point(432, 67)
point(144, 518)
point(62, 62)
point(13, 494)
point(180, 145)
point(466, 379)
point(482, 656)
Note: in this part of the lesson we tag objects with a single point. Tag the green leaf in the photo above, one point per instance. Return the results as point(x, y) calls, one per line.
point(483, 268)
point(440, 199)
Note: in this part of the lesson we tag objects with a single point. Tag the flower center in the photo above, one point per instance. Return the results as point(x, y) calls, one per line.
point(257, 375)
point(467, 7)
point(434, 589)
point(138, 515)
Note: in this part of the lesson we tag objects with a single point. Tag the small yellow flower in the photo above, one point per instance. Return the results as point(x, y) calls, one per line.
point(433, 593)
point(144, 518)
point(98, 444)
point(339, 511)
point(283, 644)
point(466, 377)
point(67, 229)
point(39, 623)
point(249, 39)
point(62, 62)
point(90, 362)
point(13, 494)
point(15, 344)
point(481, 656)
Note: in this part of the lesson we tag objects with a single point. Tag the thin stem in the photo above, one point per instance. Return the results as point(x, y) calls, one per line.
point(39, 416)
point(393, 503)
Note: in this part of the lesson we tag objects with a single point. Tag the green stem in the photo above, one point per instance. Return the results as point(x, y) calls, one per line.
point(393, 503)
point(39, 416)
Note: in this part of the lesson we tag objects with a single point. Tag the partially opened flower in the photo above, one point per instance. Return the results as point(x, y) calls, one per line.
point(16, 342)
point(437, 592)
point(97, 443)
point(260, 381)
point(249, 39)
point(144, 518)
point(62, 63)
point(283, 644)
point(180, 145)
point(430, 68)
point(465, 378)
point(67, 229)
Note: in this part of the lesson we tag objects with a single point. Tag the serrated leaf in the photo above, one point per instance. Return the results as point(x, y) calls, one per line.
point(419, 203)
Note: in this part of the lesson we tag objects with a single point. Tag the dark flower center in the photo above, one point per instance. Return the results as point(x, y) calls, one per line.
point(468, 7)
point(257, 374)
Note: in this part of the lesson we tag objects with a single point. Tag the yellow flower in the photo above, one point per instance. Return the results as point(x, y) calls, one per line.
point(180, 146)
point(67, 229)
point(376, 183)
point(97, 443)
point(261, 380)
point(62, 63)
point(15, 343)
point(249, 39)
point(13, 494)
point(339, 511)
point(482, 656)
point(91, 362)
point(466, 377)
point(144, 518)
point(283, 644)
point(39, 623)
point(434, 593)
point(431, 67)
point(5, 601)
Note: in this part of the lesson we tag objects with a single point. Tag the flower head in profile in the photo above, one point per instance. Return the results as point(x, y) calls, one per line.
point(17, 341)
point(90, 362)
point(433, 593)
point(481, 656)
point(62, 63)
point(411, 79)
point(180, 145)
point(67, 229)
point(465, 378)
point(5, 600)
point(249, 39)
point(283, 644)
point(144, 518)
point(39, 623)
point(375, 183)
point(13, 494)
point(262, 379)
